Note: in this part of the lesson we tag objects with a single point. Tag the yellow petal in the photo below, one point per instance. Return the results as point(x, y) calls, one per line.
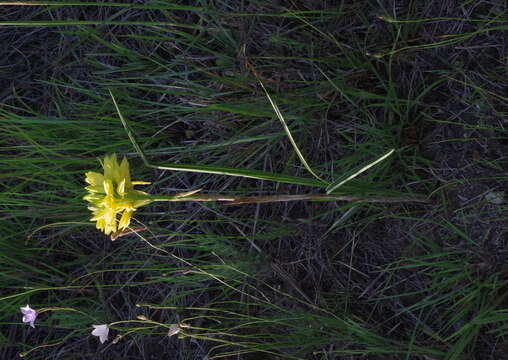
point(108, 229)
point(92, 197)
point(100, 224)
point(125, 172)
point(108, 187)
point(124, 205)
point(98, 214)
point(125, 220)
point(110, 215)
point(121, 188)
point(110, 167)
point(94, 179)
point(110, 221)
point(95, 188)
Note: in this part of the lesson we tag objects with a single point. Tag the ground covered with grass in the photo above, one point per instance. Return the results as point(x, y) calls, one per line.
point(285, 280)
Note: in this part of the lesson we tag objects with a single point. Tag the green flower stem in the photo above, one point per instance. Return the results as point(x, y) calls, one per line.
point(202, 197)
point(155, 323)
point(236, 200)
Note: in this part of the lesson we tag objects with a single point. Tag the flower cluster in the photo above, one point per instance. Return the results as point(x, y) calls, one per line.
point(112, 195)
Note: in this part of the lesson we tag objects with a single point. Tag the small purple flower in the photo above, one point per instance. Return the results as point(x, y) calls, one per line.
point(101, 331)
point(29, 315)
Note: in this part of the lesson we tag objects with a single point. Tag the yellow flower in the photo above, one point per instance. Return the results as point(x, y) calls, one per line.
point(112, 194)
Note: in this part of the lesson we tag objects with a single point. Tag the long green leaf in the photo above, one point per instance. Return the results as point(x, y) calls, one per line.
point(355, 172)
point(291, 139)
point(209, 169)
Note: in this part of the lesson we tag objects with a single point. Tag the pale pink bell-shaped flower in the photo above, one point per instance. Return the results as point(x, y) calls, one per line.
point(102, 332)
point(29, 315)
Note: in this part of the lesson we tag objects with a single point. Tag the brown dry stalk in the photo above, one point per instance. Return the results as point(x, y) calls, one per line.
point(281, 198)
point(233, 200)
point(127, 231)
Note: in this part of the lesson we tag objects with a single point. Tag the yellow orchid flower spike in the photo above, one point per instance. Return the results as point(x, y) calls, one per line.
point(112, 195)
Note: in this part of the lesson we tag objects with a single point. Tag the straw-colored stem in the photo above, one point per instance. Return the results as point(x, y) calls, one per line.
point(236, 200)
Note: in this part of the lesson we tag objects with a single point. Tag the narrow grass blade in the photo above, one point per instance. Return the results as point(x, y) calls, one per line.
point(52, 23)
point(355, 172)
point(286, 129)
point(101, 4)
point(254, 174)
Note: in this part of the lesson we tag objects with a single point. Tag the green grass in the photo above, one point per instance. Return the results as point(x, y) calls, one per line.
point(255, 99)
